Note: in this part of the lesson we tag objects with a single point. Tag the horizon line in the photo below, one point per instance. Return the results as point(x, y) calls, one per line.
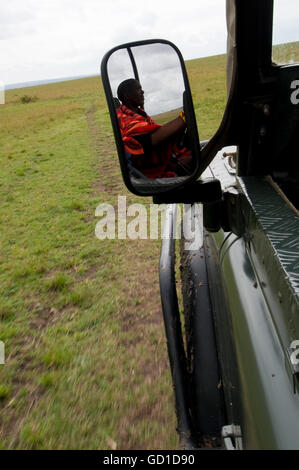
point(31, 83)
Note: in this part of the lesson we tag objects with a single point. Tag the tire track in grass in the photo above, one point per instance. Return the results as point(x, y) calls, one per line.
point(107, 166)
point(147, 420)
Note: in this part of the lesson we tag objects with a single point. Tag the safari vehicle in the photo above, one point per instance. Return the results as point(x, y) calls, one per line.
point(236, 379)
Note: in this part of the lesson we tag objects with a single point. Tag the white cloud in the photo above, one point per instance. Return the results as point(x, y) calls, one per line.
point(41, 39)
point(285, 21)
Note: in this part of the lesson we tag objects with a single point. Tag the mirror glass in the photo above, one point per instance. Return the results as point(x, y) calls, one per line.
point(154, 114)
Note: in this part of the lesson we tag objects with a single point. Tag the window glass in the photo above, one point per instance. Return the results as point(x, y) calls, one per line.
point(285, 49)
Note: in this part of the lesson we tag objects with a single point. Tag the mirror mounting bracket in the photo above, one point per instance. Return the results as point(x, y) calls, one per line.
point(207, 190)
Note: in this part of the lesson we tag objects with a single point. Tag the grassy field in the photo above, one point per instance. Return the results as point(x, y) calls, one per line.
point(286, 53)
point(86, 364)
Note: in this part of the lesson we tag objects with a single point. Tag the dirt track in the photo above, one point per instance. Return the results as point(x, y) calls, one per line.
point(141, 317)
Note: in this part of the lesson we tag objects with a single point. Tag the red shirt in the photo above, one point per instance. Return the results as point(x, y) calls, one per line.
point(153, 163)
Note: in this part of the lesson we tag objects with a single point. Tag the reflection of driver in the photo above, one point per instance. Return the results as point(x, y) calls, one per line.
point(151, 148)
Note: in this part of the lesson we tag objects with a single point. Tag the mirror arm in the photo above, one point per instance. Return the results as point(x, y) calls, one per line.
point(203, 143)
point(207, 190)
point(133, 63)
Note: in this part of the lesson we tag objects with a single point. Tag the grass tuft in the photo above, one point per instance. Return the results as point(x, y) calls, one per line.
point(4, 391)
point(56, 357)
point(59, 282)
point(28, 99)
point(31, 438)
point(76, 206)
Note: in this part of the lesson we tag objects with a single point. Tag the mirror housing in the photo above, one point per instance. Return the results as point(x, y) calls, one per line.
point(143, 67)
point(205, 191)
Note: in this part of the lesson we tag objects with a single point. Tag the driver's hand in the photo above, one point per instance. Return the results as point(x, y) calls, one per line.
point(182, 115)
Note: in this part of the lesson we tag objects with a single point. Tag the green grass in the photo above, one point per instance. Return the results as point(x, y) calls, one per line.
point(76, 344)
point(286, 53)
point(163, 118)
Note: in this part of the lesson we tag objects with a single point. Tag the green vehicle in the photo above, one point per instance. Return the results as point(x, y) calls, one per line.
point(236, 373)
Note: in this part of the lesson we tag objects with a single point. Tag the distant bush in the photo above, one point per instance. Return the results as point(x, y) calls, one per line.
point(28, 99)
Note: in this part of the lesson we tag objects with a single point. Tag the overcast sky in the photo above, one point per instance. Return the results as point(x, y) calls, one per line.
point(44, 39)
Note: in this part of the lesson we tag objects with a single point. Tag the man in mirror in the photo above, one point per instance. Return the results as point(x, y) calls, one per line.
point(156, 151)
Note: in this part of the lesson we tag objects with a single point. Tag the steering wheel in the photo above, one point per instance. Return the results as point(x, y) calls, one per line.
point(186, 138)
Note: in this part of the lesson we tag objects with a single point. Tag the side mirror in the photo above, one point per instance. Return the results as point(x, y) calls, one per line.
point(156, 139)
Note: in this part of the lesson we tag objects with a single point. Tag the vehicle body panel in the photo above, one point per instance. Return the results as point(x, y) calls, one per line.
point(254, 292)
